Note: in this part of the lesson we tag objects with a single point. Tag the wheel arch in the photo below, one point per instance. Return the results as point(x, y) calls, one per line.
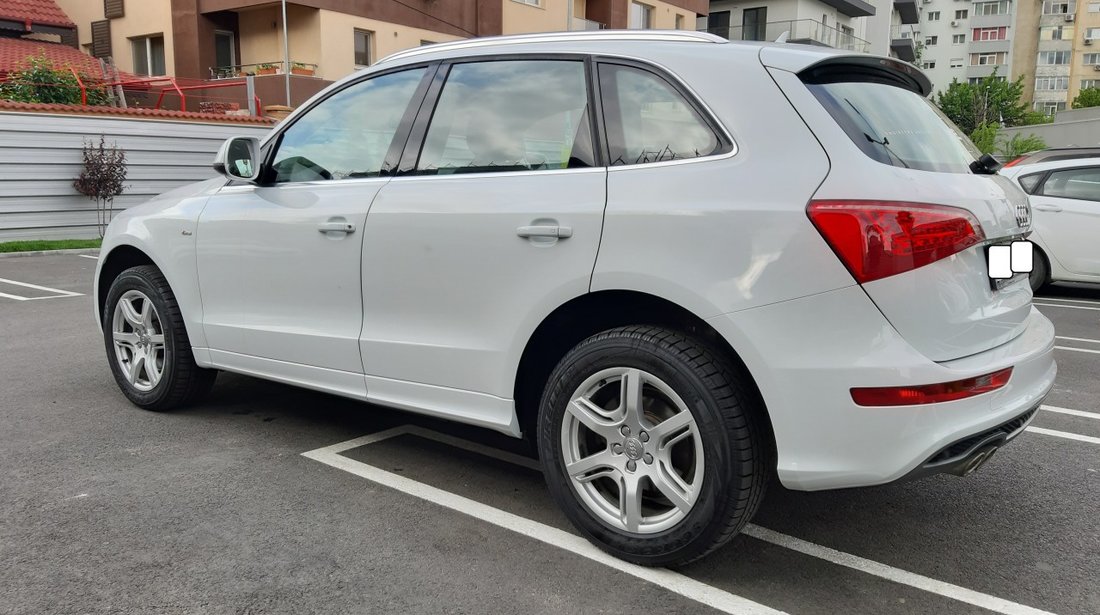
point(591, 313)
point(119, 259)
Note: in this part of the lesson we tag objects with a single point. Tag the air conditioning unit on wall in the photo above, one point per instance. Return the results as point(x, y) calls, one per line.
point(954, 24)
point(1070, 16)
point(1096, 67)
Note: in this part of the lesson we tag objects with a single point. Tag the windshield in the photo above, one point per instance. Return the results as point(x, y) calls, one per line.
point(896, 126)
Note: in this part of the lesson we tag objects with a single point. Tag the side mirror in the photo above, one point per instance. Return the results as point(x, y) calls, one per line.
point(239, 159)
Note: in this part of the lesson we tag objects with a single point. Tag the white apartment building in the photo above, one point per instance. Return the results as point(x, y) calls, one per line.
point(965, 40)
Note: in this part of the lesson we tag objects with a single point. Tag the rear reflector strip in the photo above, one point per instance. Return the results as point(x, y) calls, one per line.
point(931, 393)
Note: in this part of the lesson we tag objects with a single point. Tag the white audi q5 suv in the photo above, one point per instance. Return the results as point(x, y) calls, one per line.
point(678, 264)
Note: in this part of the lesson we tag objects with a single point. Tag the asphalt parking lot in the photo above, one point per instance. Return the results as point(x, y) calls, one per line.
point(270, 499)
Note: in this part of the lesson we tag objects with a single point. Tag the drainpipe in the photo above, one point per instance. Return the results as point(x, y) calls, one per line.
point(286, 56)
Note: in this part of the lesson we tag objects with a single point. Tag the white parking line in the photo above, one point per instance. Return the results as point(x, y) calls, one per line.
point(1072, 307)
point(1087, 415)
point(1067, 300)
point(1077, 339)
point(95, 258)
point(672, 581)
point(896, 575)
point(58, 293)
point(1077, 349)
point(1063, 434)
point(675, 582)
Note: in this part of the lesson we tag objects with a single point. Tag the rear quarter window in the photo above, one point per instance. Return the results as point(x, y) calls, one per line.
point(896, 126)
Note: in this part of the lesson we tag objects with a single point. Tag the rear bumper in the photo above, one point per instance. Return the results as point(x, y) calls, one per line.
point(806, 355)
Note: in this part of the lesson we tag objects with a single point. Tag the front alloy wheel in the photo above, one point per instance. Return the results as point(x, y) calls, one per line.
point(139, 340)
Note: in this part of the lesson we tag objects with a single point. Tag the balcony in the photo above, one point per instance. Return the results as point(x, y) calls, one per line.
point(907, 10)
point(275, 67)
point(579, 24)
point(801, 31)
point(903, 42)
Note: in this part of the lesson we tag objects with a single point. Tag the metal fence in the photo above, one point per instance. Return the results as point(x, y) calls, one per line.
point(40, 155)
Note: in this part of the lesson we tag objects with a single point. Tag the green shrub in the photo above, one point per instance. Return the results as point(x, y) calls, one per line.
point(41, 82)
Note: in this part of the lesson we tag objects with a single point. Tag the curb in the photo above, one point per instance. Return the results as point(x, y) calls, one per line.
point(94, 251)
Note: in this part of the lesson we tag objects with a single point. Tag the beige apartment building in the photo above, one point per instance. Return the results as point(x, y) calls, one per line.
point(328, 39)
point(1056, 50)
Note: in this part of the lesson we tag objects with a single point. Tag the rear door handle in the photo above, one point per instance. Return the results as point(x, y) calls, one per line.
point(560, 232)
point(1046, 207)
point(336, 227)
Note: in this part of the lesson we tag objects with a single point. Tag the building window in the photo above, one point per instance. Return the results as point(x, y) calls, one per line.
point(1050, 108)
point(961, 14)
point(1092, 34)
point(977, 80)
point(364, 40)
point(1051, 83)
point(1091, 58)
point(641, 16)
point(754, 24)
point(932, 16)
point(991, 8)
point(225, 50)
point(679, 21)
point(958, 39)
point(1094, 7)
point(425, 41)
point(1056, 7)
point(987, 59)
point(148, 55)
point(1087, 84)
point(930, 64)
point(529, 2)
point(931, 40)
point(990, 34)
point(1054, 57)
point(956, 62)
point(1056, 33)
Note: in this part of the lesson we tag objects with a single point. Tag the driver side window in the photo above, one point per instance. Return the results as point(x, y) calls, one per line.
point(348, 134)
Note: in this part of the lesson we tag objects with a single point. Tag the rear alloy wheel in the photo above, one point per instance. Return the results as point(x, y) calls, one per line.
point(1040, 272)
point(147, 345)
point(649, 445)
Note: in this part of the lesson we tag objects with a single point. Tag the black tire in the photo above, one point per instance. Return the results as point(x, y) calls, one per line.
point(182, 382)
point(735, 462)
point(1040, 272)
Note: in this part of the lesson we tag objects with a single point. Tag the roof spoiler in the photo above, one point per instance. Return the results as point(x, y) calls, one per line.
point(813, 66)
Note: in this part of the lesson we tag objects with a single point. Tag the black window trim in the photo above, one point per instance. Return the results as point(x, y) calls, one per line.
point(1038, 185)
point(1050, 172)
point(726, 145)
point(400, 137)
point(414, 145)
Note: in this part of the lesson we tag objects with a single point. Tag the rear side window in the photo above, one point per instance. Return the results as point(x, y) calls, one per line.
point(649, 121)
point(896, 126)
point(514, 115)
point(1074, 184)
point(1028, 182)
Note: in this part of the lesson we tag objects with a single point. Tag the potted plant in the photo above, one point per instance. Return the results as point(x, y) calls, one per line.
point(266, 69)
point(298, 68)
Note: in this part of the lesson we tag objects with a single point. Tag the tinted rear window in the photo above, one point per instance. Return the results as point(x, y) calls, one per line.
point(896, 126)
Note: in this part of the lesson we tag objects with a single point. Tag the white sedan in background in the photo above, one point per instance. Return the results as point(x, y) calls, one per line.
point(1065, 204)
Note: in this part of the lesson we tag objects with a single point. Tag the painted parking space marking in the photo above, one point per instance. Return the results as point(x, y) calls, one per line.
point(1071, 307)
point(675, 582)
point(1077, 339)
point(95, 258)
point(1087, 301)
point(667, 579)
point(56, 293)
point(1064, 434)
point(1071, 348)
point(1070, 411)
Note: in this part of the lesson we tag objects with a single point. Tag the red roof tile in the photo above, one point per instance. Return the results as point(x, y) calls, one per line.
point(15, 52)
point(162, 114)
point(45, 12)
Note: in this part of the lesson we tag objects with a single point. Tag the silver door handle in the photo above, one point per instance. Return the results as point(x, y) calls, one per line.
point(1046, 207)
point(561, 232)
point(336, 227)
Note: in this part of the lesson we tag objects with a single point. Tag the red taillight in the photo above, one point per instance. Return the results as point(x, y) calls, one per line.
point(1014, 162)
point(931, 393)
point(877, 239)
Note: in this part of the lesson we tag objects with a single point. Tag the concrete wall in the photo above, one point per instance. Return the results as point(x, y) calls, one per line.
point(40, 156)
point(1079, 127)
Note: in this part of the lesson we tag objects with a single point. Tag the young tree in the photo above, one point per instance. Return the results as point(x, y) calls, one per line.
point(970, 105)
point(1019, 145)
point(985, 137)
point(1088, 97)
point(103, 178)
